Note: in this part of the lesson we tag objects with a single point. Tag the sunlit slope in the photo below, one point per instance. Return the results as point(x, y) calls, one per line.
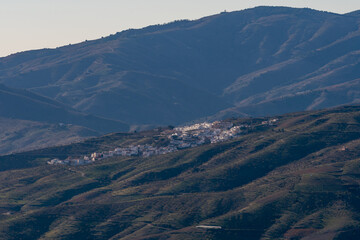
point(294, 180)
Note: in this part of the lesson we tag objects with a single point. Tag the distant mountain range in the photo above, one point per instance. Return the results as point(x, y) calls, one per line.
point(260, 61)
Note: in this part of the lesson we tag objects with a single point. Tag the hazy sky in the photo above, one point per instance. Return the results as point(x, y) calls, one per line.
point(33, 24)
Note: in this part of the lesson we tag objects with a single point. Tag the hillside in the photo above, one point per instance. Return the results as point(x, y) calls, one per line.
point(29, 121)
point(298, 179)
point(25, 105)
point(21, 135)
point(250, 62)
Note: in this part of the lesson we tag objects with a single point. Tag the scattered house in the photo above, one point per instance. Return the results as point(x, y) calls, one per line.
point(54, 161)
point(8, 213)
point(95, 156)
point(270, 122)
point(343, 148)
point(70, 161)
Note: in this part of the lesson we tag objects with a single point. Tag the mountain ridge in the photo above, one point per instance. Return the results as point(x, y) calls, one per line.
point(232, 60)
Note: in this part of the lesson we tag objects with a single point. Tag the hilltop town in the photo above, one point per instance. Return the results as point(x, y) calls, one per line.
point(178, 138)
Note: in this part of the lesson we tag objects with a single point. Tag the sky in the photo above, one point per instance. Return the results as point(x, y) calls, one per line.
point(35, 24)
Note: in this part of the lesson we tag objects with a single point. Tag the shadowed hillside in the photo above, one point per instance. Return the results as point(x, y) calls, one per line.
point(298, 179)
point(261, 61)
point(29, 121)
point(22, 104)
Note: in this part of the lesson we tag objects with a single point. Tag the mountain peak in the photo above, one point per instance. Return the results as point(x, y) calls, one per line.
point(354, 13)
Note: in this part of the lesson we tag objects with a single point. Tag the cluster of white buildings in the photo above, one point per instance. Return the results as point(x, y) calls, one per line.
point(71, 161)
point(142, 150)
point(198, 134)
point(270, 122)
point(178, 138)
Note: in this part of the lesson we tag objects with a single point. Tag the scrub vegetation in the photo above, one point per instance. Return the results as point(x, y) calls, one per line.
point(298, 179)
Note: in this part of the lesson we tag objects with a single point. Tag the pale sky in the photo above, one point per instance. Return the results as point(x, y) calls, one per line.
point(34, 24)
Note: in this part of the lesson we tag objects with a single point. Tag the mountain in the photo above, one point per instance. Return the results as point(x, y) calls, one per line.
point(295, 179)
point(354, 13)
point(260, 61)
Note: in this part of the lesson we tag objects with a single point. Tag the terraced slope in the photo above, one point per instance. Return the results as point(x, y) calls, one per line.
point(297, 180)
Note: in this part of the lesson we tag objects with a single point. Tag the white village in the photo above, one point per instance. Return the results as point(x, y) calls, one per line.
point(179, 138)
